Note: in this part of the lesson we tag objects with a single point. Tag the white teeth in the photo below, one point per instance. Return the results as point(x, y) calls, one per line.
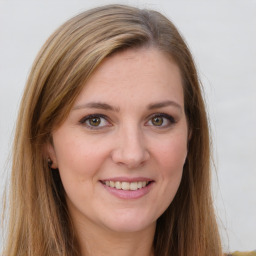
point(134, 185)
point(126, 185)
point(139, 184)
point(118, 185)
point(112, 184)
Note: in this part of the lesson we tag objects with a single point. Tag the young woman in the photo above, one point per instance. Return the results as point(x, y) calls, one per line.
point(111, 154)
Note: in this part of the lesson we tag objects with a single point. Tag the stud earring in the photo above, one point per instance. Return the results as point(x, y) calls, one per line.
point(49, 162)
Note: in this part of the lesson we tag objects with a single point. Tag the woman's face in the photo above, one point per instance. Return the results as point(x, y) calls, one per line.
point(122, 148)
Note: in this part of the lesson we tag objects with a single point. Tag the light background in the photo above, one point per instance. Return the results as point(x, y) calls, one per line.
point(222, 38)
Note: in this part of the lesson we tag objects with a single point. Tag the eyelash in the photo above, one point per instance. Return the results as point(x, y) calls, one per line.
point(87, 118)
point(83, 121)
point(171, 120)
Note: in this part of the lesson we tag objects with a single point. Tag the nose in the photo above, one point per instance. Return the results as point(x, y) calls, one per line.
point(130, 149)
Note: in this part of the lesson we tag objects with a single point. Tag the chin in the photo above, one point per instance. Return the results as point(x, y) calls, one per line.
point(130, 227)
point(127, 223)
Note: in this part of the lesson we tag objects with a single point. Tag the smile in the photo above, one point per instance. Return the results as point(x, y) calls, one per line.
point(126, 185)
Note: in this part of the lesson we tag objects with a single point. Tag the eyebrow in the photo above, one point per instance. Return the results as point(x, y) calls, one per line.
point(97, 105)
point(105, 106)
point(164, 104)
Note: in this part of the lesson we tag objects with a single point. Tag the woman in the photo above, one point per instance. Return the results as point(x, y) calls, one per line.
point(111, 153)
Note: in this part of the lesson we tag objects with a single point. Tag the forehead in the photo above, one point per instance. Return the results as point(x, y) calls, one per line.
point(143, 74)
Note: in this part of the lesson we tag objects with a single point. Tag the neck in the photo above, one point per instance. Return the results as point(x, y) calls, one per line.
point(102, 241)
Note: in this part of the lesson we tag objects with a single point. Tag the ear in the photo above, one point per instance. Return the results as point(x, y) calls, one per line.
point(51, 155)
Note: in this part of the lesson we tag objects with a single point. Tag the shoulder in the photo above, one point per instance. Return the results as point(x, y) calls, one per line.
point(242, 254)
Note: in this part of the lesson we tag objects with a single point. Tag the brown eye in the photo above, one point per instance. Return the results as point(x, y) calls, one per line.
point(157, 121)
point(161, 120)
point(95, 121)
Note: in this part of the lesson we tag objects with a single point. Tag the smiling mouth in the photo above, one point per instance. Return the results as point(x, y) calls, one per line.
point(126, 185)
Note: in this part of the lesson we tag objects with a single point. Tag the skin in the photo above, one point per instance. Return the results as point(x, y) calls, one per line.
point(132, 140)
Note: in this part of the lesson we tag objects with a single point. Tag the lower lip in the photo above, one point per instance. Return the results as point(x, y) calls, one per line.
point(129, 194)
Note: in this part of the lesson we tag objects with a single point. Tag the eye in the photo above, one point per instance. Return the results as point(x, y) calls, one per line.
point(161, 120)
point(157, 121)
point(95, 121)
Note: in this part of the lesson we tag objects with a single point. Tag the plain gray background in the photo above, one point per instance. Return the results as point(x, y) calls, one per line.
point(222, 38)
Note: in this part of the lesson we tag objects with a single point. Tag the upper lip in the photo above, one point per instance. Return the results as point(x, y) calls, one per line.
point(128, 179)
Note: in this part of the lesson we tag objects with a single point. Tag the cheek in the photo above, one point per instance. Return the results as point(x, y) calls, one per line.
point(78, 158)
point(79, 166)
point(173, 152)
point(170, 160)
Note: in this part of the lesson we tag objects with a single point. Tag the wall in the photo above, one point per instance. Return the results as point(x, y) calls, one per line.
point(222, 38)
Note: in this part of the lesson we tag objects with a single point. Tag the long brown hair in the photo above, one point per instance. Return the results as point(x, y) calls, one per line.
point(39, 222)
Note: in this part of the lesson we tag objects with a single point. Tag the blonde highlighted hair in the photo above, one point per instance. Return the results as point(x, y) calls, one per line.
point(39, 222)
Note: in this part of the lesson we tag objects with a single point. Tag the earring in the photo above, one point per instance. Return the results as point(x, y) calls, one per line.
point(49, 162)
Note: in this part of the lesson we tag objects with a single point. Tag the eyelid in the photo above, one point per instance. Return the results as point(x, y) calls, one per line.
point(87, 117)
point(170, 119)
